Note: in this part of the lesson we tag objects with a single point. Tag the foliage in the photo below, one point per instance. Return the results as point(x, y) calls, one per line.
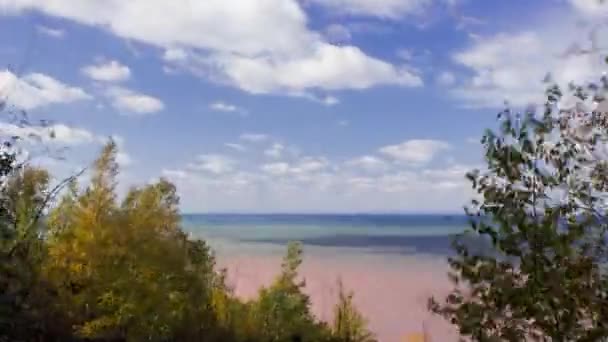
point(115, 264)
point(348, 323)
point(96, 267)
point(542, 211)
point(282, 311)
point(24, 294)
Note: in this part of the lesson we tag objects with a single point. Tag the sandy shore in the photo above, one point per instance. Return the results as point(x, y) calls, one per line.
point(391, 292)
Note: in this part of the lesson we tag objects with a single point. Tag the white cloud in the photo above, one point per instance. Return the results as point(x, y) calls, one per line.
point(310, 164)
point(262, 47)
point(248, 29)
point(275, 151)
point(213, 163)
point(254, 137)
point(221, 106)
point(391, 9)
point(327, 100)
point(123, 159)
point(343, 123)
point(592, 8)
point(56, 134)
point(236, 147)
point(328, 68)
point(132, 102)
point(319, 184)
point(504, 69)
point(174, 174)
point(51, 32)
point(276, 169)
point(111, 71)
point(330, 101)
point(446, 78)
point(368, 163)
point(302, 169)
point(175, 55)
point(511, 66)
point(417, 151)
point(37, 90)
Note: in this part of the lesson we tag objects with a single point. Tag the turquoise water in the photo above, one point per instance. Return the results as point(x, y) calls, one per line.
point(384, 234)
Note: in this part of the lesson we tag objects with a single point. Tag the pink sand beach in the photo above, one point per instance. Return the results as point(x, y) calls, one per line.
point(391, 292)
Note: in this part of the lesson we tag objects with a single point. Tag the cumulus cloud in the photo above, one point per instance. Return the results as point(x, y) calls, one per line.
point(111, 71)
point(504, 68)
point(330, 67)
point(511, 66)
point(416, 151)
point(264, 47)
point(320, 184)
point(317, 183)
point(36, 90)
point(129, 101)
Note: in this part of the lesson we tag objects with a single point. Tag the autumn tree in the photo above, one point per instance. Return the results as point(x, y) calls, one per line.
point(541, 210)
point(104, 267)
point(126, 270)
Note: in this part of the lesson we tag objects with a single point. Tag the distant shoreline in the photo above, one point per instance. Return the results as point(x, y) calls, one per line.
point(404, 214)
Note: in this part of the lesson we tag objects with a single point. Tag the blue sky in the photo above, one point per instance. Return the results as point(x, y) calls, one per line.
point(286, 105)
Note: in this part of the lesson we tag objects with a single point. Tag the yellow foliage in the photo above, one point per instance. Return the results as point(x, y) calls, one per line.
point(114, 264)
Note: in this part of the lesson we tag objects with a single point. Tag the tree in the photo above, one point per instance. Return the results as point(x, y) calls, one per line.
point(282, 311)
point(25, 195)
point(348, 323)
point(21, 253)
point(94, 267)
point(26, 296)
point(126, 271)
point(541, 211)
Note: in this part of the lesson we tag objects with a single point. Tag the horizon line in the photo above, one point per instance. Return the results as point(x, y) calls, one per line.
point(321, 213)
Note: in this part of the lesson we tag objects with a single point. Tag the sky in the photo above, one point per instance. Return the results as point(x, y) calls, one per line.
point(287, 105)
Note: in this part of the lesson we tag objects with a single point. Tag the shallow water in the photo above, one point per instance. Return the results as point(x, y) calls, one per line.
point(380, 234)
